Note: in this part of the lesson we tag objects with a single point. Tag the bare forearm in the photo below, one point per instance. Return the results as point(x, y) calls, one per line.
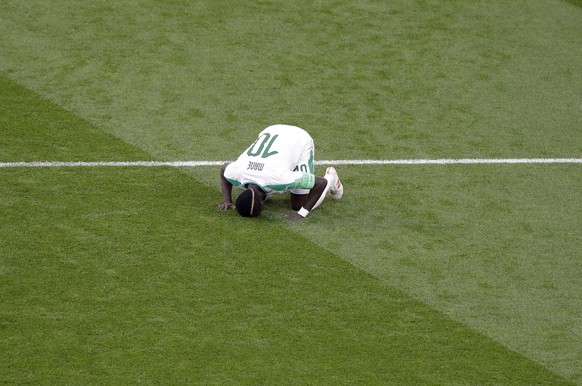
point(315, 193)
point(226, 192)
point(226, 188)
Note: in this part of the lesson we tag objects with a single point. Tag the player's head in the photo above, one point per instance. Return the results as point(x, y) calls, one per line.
point(250, 202)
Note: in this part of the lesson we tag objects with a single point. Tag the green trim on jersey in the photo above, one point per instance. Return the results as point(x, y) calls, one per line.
point(236, 184)
point(307, 181)
point(233, 182)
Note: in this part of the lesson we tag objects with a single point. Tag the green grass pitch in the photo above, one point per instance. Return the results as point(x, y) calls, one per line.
point(421, 274)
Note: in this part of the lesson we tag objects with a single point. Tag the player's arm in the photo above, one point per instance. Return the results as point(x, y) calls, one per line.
point(226, 187)
point(313, 198)
point(298, 200)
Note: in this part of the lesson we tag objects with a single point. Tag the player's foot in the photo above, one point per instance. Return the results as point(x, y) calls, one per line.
point(336, 190)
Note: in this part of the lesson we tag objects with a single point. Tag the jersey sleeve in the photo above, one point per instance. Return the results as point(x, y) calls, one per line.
point(230, 173)
point(297, 180)
point(307, 181)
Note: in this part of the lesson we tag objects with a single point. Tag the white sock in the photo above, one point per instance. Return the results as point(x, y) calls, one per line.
point(330, 181)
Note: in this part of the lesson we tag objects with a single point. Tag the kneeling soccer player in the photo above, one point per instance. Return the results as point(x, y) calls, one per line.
point(281, 159)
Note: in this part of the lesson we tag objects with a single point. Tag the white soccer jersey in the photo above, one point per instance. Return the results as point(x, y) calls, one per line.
point(280, 159)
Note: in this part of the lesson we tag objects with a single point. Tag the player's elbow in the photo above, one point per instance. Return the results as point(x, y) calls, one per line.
point(223, 168)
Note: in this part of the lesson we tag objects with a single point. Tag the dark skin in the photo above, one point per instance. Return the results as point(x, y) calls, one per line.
point(226, 191)
point(311, 199)
point(298, 201)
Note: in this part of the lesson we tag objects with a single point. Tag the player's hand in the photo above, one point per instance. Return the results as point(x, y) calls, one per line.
point(226, 206)
point(294, 216)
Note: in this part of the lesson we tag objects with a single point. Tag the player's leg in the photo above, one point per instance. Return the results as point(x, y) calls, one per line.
point(331, 180)
point(336, 190)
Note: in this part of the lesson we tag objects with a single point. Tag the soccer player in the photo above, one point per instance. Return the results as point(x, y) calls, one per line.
point(280, 160)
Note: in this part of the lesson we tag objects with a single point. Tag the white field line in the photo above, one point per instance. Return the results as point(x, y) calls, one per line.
point(77, 164)
point(449, 161)
point(442, 161)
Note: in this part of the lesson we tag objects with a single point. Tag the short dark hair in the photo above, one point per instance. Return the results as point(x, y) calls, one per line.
point(249, 203)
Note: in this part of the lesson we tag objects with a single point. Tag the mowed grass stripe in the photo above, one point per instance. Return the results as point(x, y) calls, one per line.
point(131, 275)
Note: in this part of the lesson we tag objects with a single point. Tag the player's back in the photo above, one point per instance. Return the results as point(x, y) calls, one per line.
point(279, 157)
point(280, 146)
